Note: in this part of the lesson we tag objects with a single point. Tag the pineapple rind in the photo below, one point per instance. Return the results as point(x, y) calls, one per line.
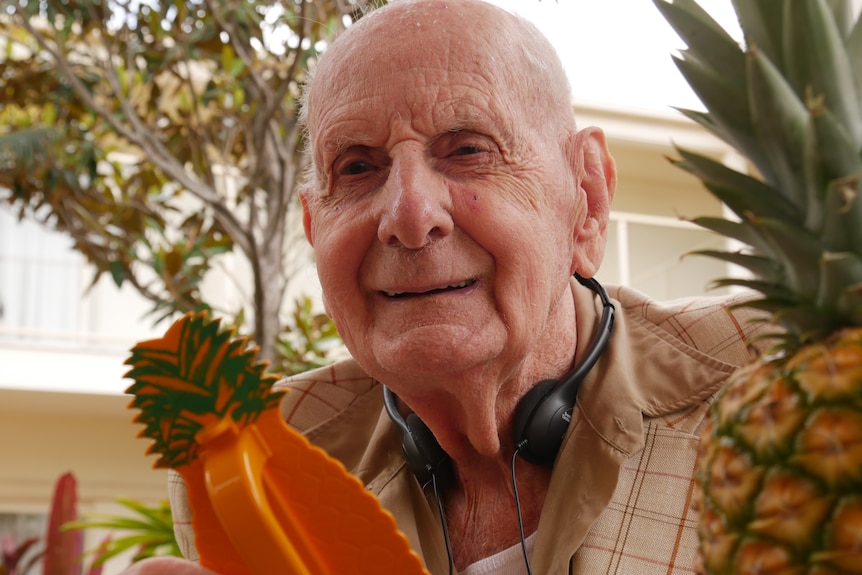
point(780, 469)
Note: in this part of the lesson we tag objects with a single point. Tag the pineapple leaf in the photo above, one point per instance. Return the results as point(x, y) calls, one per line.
point(838, 155)
point(740, 192)
point(780, 121)
point(816, 63)
point(726, 100)
point(193, 377)
point(760, 21)
point(720, 83)
point(841, 270)
point(833, 169)
point(797, 251)
point(776, 295)
point(854, 52)
point(843, 211)
point(842, 12)
point(760, 266)
point(742, 232)
point(707, 41)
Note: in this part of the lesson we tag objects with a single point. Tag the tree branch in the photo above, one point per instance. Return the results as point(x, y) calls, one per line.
point(142, 137)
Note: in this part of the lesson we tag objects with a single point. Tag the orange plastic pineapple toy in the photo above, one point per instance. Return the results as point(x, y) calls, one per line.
point(264, 500)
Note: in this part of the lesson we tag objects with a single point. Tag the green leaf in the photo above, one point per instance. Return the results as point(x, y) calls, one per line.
point(854, 54)
point(833, 168)
point(817, 63)
point(740, 192)
point(839, 270)
point(761, 23)
point(776, 295)
point(708, 43)
point(842, 13)
point(762, 267)
point(118, 272)
point(797, 251)
point(780, 121)
point(843, 212)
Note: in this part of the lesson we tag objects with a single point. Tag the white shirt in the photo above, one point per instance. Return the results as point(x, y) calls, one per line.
point(507, 562)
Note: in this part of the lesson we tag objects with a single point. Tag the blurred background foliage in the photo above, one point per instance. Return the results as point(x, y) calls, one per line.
point(163, 138)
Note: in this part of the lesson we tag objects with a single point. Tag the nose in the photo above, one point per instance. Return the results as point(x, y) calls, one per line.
point(416, 204)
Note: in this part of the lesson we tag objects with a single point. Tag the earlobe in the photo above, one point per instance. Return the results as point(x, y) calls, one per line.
point(597, 179)
point(306, 214)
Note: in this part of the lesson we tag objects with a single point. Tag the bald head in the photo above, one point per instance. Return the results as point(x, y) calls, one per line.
point(510, 51)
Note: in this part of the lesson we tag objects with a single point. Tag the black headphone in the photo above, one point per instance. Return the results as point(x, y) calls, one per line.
point(541, 418)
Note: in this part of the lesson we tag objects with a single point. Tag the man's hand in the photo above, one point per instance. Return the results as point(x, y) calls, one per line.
point(167, 566)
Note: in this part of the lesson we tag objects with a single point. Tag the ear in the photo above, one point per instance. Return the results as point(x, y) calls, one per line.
point(596, 176)
point(304, 191)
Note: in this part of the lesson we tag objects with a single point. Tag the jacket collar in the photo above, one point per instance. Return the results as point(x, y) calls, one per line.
point(644, 372)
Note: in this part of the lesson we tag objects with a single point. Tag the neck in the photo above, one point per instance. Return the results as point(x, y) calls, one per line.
point(471, 412)
point(482, 512)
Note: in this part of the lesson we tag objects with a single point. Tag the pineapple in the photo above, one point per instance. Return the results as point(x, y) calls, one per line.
point(780, 467)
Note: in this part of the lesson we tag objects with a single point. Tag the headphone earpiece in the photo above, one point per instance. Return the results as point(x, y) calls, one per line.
point(425, 458)
point(543, 414)
point(541, 418)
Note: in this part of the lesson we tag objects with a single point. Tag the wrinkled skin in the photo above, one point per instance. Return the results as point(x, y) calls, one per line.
point(438, 179)
point(452, 200)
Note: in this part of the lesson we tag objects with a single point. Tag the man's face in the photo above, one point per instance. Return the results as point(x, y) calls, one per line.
point(444, 219)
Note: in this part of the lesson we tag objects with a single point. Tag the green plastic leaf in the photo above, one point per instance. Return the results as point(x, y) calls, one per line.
point(194, 376)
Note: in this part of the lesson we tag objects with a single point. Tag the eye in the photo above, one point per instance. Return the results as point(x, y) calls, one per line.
point(467, 150)
point(355, 168)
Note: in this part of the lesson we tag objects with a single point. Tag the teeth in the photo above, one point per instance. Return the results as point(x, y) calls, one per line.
point(461, 284)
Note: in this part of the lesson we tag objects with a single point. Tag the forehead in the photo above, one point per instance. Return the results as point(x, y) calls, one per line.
point(424, 71)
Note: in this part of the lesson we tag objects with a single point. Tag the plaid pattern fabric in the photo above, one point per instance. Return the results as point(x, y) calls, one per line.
point(620, 495)
point(649, 525)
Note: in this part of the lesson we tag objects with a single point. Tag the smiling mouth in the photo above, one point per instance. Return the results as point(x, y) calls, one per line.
point(448, 288)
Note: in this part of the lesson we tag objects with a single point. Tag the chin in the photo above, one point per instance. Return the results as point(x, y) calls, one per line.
point(427, 352)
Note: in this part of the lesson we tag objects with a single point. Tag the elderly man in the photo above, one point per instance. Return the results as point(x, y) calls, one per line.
point(451, 202)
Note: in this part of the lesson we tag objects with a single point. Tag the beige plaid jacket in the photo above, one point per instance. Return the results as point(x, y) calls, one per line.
point(620, 498)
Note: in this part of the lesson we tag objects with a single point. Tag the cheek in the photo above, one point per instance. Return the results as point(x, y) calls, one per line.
point(340, 244)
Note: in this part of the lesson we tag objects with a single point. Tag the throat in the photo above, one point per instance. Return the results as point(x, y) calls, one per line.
point(482, 517)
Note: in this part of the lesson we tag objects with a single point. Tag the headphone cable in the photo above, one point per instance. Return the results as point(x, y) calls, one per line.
point(443, 521)
point(517, 506)
point(518, 447)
